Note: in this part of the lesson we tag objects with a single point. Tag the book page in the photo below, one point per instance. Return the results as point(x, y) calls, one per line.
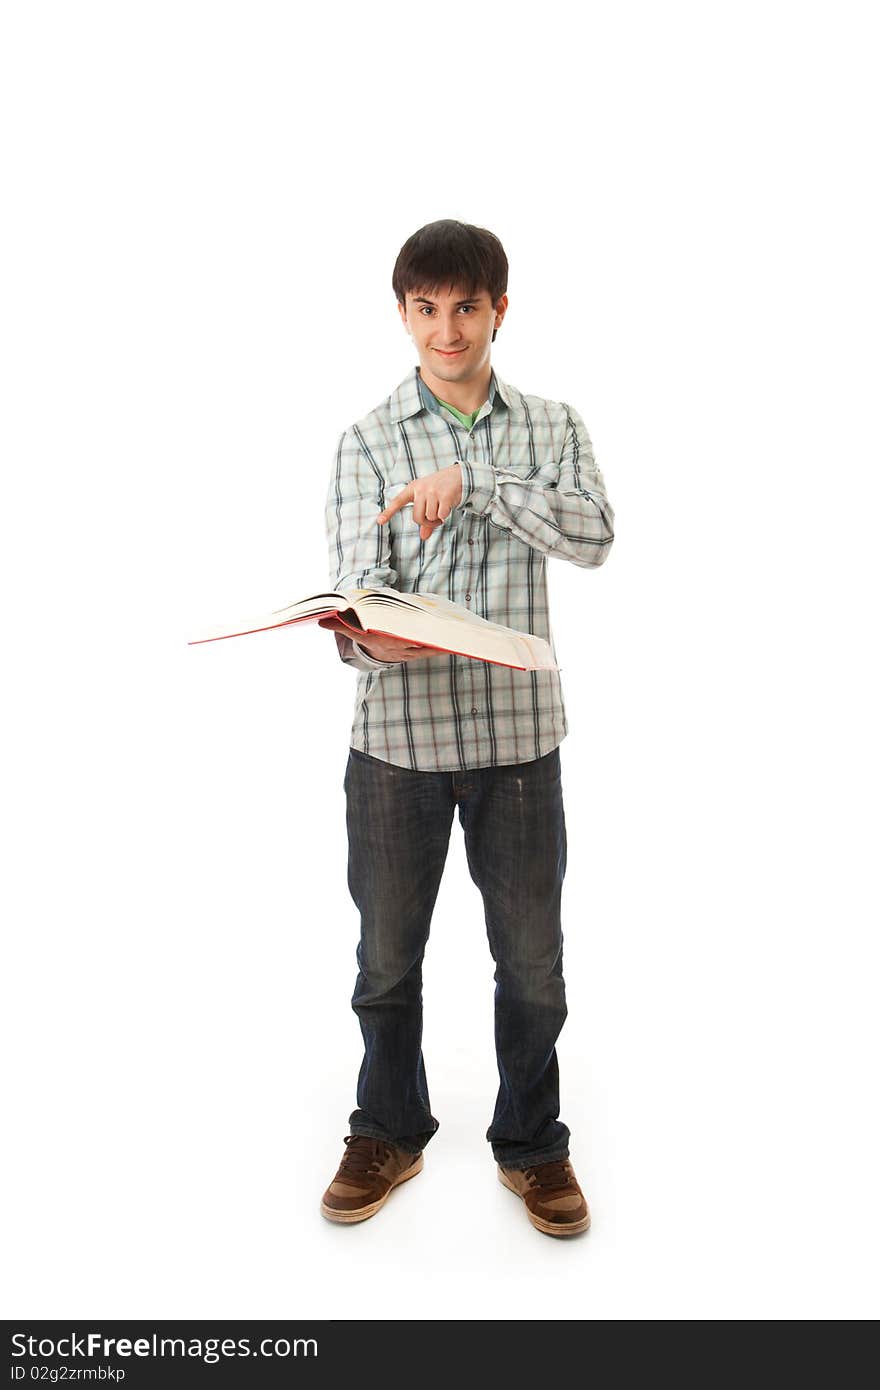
point(438, 606)
point(438, 622)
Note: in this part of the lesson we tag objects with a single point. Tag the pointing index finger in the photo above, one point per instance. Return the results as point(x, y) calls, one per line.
point(395, 506)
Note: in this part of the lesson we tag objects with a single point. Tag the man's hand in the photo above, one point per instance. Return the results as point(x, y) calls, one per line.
point(381, 648)
point(432, 498)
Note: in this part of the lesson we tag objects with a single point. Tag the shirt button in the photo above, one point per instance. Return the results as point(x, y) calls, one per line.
point(475, 710)
point(470, 542)
point(467, 596)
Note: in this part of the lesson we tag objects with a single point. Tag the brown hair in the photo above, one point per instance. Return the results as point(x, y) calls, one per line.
point(449, 253)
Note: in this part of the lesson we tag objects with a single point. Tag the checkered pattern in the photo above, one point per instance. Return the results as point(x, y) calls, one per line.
point(530, 490)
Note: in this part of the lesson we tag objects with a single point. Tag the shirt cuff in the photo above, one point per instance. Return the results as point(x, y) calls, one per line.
point(478, 486)
point(371, 660)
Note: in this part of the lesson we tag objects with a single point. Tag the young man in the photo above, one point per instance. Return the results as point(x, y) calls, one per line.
point(459, 484)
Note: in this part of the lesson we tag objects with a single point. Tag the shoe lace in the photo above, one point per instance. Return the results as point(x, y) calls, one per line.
point(363, 1155)
point(549, 1175)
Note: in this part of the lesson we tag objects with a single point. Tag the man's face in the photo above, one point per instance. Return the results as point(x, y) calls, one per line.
point(452, 334)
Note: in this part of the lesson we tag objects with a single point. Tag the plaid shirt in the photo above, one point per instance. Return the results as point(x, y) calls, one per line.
point(530, 489)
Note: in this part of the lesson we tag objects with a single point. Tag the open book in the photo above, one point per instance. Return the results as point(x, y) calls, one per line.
point(426, 618)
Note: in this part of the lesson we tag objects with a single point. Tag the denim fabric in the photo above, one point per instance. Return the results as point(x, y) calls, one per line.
point(399, 823)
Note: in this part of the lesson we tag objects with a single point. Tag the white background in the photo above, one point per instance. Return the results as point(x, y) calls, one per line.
point(204, 203)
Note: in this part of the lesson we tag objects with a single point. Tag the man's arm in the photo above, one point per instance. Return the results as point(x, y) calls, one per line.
point(564, 512)
point(359, 550)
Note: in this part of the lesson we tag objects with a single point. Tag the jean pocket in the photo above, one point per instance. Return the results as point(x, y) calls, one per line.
point(355, 754)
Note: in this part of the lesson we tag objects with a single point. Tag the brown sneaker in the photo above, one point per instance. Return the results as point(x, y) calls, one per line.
point(365, 1177)
point(553, 1198)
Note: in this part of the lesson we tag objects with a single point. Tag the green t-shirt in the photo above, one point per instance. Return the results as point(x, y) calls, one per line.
point(466, 420)
point(428, 397)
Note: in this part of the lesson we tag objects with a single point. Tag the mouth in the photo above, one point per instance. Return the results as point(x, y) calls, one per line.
point(456, 353)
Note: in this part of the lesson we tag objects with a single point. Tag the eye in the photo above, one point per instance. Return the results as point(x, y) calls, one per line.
point(426, 308)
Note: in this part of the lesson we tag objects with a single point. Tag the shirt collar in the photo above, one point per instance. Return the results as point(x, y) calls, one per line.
point(407, 399)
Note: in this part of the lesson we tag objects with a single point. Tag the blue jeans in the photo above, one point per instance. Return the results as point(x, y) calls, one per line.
point(399, 823)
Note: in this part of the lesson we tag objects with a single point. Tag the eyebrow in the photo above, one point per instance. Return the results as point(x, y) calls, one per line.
point(419, 299)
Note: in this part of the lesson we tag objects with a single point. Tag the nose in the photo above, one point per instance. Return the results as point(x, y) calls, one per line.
point(448, 332)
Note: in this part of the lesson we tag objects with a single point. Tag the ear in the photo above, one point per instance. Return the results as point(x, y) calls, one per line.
point(402, 311)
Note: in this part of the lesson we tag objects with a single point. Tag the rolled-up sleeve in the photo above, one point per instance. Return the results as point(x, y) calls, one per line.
point(565, 514)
